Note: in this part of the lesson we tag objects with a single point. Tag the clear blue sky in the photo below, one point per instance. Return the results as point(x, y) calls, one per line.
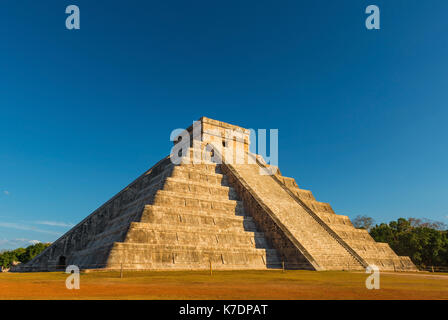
point(362, 115)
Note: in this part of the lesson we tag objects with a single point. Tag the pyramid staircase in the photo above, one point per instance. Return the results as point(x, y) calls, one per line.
point(359, 240)
point(195, 220)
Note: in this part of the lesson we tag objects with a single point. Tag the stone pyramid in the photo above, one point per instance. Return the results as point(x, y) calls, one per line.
point(197, 212)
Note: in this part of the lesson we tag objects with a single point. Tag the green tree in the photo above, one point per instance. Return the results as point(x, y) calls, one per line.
point(424, 241)
point(22, 255)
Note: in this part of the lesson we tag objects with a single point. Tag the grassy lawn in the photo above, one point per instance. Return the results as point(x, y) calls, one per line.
point(223, 285)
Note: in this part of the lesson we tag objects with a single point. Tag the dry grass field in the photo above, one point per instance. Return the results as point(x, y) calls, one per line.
point(223, 285)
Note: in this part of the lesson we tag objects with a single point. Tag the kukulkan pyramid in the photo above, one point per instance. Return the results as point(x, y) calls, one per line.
point(230, 214)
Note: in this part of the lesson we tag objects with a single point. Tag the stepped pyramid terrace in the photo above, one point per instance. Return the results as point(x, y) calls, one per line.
point(190, 211)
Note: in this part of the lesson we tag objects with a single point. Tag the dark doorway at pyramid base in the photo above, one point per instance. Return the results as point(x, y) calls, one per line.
point(62, 263)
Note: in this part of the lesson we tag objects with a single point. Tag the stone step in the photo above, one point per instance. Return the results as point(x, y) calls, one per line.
point(353, 267)
point(211, 218)
point(328, 259)
point(333, 219)
point(199, 189)
point(254, 264)
point(124, 219)
point(346, 227)
point(189, 210)
point(407, 264)
point(361, 242)
point(223, 221)
point(167, 256)
point(316, 246)
point(142, 197)
point(197, 235)
point(349, 234)
point(288, 181)
point(177, 199)
point(328, 254)
point(178, 233)
point(374, 250)
point(340, 264)
point(193, 228)
point(186, 247)
point(391, 264)
point(184, 173)
point(113, 234)
point(303, 194)
point(318, 206)
point(211, 168)
point(306, 236)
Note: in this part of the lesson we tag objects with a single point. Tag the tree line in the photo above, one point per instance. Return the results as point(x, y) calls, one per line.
point(22, 255)
point(423, 240)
